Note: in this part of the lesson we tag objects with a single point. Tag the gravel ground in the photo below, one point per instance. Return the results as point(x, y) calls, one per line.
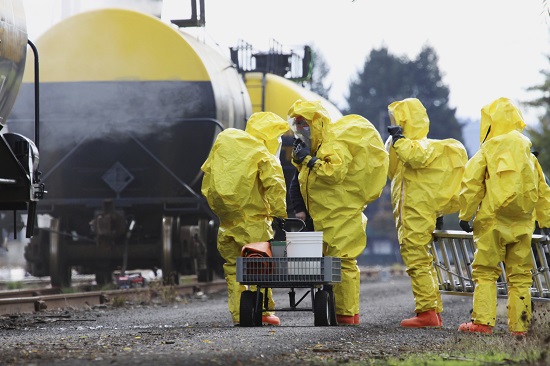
point(199, 331)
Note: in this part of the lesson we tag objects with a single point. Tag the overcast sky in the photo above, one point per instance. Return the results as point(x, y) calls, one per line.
point(487, 49)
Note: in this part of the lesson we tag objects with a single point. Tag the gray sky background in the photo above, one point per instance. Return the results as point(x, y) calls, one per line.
point(487, 49)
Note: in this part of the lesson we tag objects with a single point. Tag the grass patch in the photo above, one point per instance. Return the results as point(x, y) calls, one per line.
point(118, 301)
point(69, 290)
point(187, 280)
point(484, 357)
point(501, 348)
point(166, 293)
point(14, 285)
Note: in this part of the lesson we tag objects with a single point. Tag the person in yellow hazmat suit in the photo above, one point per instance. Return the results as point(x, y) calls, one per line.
point(342, 167)
point(505, 190)
point(425, 179)
point(245, 187)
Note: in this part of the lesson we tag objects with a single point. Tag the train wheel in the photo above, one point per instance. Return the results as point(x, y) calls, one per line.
point(103, 277)
point(60, 272)
point(214, 261)
point(201, 253)
point(321, 308)
point(170, 274)
point(250, 311)
point(37, 254)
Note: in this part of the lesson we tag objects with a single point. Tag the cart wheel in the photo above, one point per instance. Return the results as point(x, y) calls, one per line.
point(332, 305)
point(250, 310)
point(321, 308)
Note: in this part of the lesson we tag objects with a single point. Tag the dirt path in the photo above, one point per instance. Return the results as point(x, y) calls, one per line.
point(198, 331)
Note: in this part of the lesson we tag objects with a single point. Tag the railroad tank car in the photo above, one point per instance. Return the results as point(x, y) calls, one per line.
point(130, 107)
point(20, 186)
point(13, 47)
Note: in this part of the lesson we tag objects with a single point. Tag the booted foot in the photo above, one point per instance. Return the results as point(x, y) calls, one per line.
point(440, 319)
point(356, 319)
point(270, 320)
point(425, 319)
point(519, 334)
point(345, 319)
point(475, 328)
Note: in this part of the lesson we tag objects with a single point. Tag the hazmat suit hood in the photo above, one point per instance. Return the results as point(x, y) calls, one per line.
point(268, 127)
point(316, 116)
point(411, 115)
point(499, 118)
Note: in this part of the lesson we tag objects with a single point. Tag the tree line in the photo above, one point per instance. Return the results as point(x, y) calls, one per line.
point(385, 78)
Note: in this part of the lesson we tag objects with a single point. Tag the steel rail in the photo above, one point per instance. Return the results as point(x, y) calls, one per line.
point(32, 301)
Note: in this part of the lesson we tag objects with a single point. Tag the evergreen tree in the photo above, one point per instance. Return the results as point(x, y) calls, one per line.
point(386, 78)
point(320, 72)
point(428, 87)
point(379, 84)
point(540, 134)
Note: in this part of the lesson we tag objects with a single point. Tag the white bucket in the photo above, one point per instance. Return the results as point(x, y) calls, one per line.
point(304, 244)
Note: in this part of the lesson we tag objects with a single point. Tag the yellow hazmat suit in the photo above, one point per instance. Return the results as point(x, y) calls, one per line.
point(425, 180)
point(350, 173)
point(504, 188)
point(245, 187)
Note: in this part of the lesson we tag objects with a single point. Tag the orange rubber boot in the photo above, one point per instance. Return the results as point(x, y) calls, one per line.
point(356, 319)
point(425, 319)
point(270, 320)
point(440, 319)
point(345, 319)
point(475, 328)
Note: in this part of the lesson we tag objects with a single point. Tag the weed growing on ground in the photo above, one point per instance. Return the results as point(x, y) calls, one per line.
point(166, 293)
point(499, 348)
point(69, 290)
point(118, 302)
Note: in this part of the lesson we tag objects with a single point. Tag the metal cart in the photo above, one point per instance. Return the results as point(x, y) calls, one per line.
point(313, 274)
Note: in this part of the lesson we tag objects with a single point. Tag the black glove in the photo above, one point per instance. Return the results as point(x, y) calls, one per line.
point(439, 223)
point(465, 225)
point(396, 133)
point(301, 150)
point(279, 229)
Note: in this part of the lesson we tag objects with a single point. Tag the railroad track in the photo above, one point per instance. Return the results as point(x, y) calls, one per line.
point(36, 300)
point(78, 281)
point(32, 300)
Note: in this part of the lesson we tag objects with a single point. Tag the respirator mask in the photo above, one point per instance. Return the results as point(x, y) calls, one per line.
point(299, 125)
